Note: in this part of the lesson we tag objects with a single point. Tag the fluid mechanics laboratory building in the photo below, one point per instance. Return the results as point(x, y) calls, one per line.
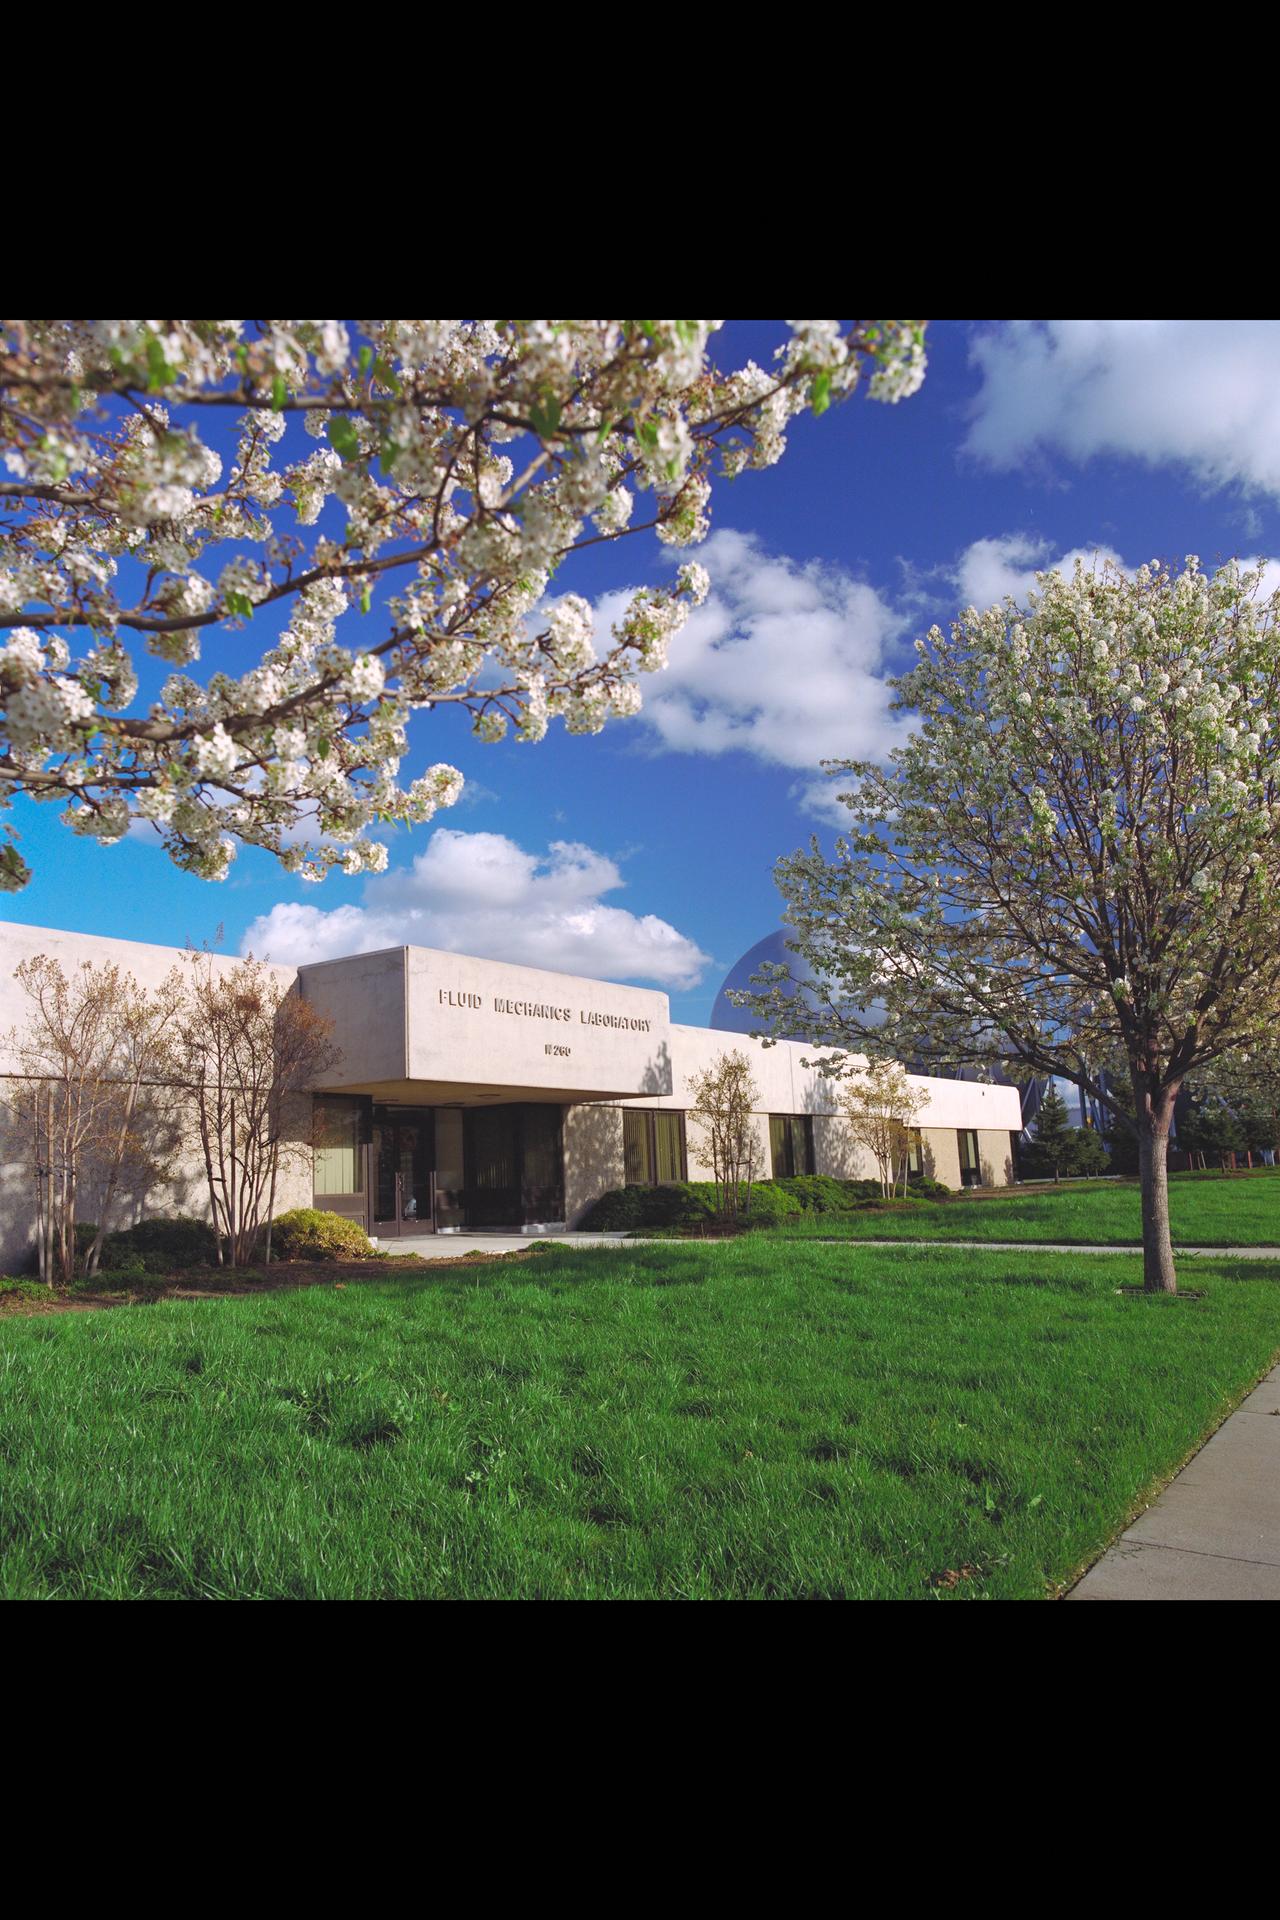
point(475, 1095)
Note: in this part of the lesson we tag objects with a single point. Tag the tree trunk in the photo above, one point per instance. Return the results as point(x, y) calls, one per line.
point(1154, 1115)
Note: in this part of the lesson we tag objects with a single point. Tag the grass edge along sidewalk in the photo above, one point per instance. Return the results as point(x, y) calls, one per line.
point(1235, 1210)
point(778, 1421)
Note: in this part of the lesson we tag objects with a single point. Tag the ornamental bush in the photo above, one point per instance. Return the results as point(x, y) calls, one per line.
point(921, 1186)
point(817, 1192)
point(153, 1246)
point(692, 1203)
point(769, 1203)
point(629, 1209)
point(310, 1234)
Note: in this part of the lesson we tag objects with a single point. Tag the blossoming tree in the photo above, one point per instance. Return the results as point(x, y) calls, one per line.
point(1073, 865)
point(879, 1105)
point(455, 465)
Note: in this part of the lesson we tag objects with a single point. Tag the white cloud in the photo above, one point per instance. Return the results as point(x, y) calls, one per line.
point(1204, 394)
point(992, 570)
point(480, 893)
point(785, 662)
point(1005, 566)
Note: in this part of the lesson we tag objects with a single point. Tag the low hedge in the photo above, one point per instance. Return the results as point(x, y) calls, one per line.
point(310, 1234)
point(692, 1203)
point(152, 1246)
point(687, 1203)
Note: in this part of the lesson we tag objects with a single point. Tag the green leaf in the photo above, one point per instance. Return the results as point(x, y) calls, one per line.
point(545, 415)
point(366, 359)
point(240, 603)
point(343, 438)
point(159, 372)
point(279, 393)
point(820, 392)
point(366, 598)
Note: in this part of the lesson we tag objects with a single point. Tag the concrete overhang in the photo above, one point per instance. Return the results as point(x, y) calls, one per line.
point(431, 1028)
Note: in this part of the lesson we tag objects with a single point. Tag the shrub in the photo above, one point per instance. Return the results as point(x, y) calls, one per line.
point(21, 1289)
point(817, 1192)
point(921, 1187)
point(126, 1277)
point(152, 1246)
point(161, 1245)
point(685, 1203)
point(692, 1203)
point(770, 1202)
point(309, 1234)
point(629, 1209)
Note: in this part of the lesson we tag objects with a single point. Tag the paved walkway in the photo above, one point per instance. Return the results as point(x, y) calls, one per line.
point(1214, 1533)
point(448, 1246)
point(1062, 1246)
point(451, 1246)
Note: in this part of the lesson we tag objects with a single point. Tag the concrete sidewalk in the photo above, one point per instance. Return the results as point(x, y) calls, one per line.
point(1214, 1533)
point(1062, 1246)
point(451, 1246)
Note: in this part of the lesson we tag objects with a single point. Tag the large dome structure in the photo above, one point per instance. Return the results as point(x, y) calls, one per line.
point(773, 948)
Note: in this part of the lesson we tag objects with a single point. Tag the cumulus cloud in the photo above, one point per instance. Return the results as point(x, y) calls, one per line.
point(991, 570)
point(785, 661)
point(480, 893)
point(1202, 394)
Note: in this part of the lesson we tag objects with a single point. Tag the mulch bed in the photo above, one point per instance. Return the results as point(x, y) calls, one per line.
point(280, 1276)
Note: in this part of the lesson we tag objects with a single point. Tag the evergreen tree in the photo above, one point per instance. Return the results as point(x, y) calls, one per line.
point(1050, 1151)
point(1088, 1154)
point(1210, 1127)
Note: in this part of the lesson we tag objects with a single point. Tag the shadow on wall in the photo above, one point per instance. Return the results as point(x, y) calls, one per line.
point(141, 1193)
point(837, 1154)
point(657, 1074)
point(834, 1152)
point(989, 1174)
point(593, 1156)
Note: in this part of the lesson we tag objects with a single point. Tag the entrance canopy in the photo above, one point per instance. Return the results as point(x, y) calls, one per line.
point(445, 1029)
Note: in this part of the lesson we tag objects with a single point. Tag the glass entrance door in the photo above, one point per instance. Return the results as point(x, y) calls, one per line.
point(402, 1161)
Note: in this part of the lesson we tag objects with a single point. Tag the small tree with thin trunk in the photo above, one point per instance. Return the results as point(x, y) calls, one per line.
point(1073, 864)
point(247, 1048)
point(879, 1107)
point(725, 1101)
point(91, 1101)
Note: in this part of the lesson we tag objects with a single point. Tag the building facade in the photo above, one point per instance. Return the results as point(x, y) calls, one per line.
point(471, 1094)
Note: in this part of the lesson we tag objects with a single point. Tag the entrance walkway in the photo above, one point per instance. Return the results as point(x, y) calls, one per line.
point(1214, 1533)
point(451, 1246)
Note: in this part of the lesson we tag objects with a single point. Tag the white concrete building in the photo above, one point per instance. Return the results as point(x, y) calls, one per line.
point(474, 1094)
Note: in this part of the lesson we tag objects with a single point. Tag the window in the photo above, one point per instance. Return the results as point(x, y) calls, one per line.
point(339, 1141)
point(970, 1165)
point(653, 1146)
point(791, 1144)
point(915, 1151)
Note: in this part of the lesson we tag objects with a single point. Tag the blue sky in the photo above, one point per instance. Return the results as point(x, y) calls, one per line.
point(1026, 443)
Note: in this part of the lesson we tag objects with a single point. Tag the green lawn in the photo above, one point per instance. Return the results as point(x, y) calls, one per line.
point(755, 1418)
point(1205, 1210)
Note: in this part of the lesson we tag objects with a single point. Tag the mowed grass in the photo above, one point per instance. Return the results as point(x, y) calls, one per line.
point(1205, 1210)
point(748, 1419)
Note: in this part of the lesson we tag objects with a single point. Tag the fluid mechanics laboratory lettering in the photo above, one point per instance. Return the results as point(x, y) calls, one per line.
point(541, 1010)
